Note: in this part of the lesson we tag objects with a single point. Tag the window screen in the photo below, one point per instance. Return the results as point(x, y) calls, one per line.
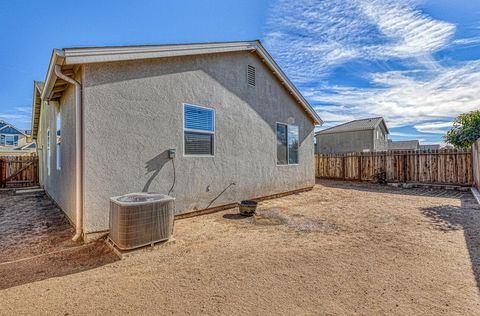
point(292, 144)
point(199, 130)
point(282, 144)
point(198, 143)
point(48, 152)
point(287, 144)
point(11, 140)
point(59, 141)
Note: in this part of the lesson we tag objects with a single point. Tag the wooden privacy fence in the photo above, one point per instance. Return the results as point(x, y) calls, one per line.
point(18, 171)
point(433, 167)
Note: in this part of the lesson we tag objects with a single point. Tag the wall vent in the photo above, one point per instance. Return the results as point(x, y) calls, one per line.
point(251, 75)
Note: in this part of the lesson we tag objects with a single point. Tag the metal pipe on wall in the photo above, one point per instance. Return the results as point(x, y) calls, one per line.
point(78, 151)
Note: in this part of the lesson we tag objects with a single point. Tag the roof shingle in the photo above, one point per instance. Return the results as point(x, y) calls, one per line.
point(357, 125)
point(403, 145)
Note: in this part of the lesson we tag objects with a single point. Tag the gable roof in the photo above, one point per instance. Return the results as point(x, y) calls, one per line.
point(70, 57)
point(430, 147)
point(6, 128)
point(36, 106)
point(357, 125)
point(403, 145)
point(28, 146)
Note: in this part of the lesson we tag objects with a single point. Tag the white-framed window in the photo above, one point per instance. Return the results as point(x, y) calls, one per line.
point(287, 144)
point(8, 140)
point(58, 127)
point(49, 154)
point(198, 130)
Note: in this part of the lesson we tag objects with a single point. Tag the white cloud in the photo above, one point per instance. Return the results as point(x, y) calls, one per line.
point(412, 33)
point(20, 117)
point(404, 100)
point(405, 135)
point(434, 127)
point(310, 37)
point(470, 41)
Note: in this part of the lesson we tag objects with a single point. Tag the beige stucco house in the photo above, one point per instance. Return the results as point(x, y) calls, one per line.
point(209, 124)
point(14, 141)
point(363, 135)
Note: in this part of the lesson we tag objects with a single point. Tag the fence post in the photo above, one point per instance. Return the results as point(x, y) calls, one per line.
point(359, 167)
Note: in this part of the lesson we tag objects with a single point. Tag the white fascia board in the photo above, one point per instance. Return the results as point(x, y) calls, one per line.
point(75, 56)
point(56, 59)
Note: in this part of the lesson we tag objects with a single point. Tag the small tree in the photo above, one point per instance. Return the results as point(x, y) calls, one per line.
point(465, 130)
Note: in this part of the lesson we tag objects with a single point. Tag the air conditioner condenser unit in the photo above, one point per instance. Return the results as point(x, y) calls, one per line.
point(140, 219)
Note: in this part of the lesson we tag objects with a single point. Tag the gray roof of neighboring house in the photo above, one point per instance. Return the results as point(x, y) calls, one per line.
point(403, 145)
point(430, 147)
point(357, 125)
point(7, 128)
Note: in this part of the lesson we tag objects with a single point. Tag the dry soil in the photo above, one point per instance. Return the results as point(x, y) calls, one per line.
point(340, 249)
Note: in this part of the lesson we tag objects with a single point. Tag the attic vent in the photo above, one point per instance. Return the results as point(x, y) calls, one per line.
point(251, 75)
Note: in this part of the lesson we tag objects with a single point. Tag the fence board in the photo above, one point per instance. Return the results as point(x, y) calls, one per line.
point(11, 165)
point(433, 166)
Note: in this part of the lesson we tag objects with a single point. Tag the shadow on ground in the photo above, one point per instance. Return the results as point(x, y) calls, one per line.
point(35, 242)
point(381, 188)
point(234, 216)
point(465, 217)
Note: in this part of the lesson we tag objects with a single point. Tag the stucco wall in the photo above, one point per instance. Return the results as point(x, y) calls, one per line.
point(380, 143)
point(59, 184)
point(345, 142)
point(134, 114)
point(22, 140)
point(476, 163)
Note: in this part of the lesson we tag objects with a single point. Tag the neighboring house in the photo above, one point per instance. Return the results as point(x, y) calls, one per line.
point(404, 145)
point(430, 147)
point(365, 135)
point(107, 120)
point(14, 141)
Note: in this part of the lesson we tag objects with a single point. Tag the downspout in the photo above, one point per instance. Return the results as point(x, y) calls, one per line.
point(78, 151)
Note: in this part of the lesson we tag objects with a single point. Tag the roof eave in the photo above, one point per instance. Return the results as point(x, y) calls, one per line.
point(284, 80)
point(37, 91)
point(349, 131)
point(74, 56)
point(384, 125)
point(57, 58)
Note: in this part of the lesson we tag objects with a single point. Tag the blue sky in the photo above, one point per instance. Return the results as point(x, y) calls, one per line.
point(417, 63)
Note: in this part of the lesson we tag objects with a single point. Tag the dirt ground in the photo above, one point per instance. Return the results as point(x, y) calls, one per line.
point(340, 249)
point(35, 242)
